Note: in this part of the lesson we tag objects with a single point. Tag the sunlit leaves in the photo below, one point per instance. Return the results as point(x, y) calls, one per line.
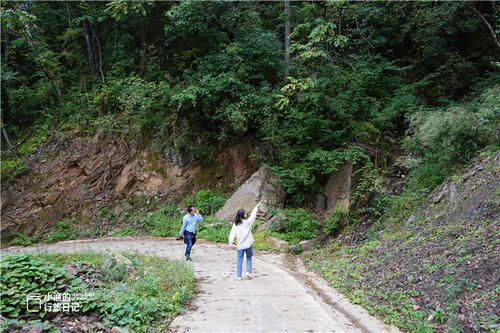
point(321, 35)
point(18, 20)
point(291, 89)
point(117, 8)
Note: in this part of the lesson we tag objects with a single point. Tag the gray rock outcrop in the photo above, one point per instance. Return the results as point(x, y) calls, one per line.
point(340, 187)
point(276, 222)
point(261, 186)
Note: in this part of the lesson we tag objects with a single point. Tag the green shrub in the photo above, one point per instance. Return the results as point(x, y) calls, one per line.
point(260, 241)
point(298, 250)
point(156, 295)
point(301, 225)
point(146, 294)
point(22, 239)
point(446, 137)
point(338, 219)
point(142, 105)
point(13, 166)
point(34, 141)
point(128, 231)
point(63, 230)
point(303, 172)
point(172, 210)
point(458, 131)
point(208, 202)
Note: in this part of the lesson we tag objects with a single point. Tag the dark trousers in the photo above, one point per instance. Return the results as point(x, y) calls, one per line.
point(189, 240)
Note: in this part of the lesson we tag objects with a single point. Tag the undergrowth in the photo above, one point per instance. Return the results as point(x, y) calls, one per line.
point(143, 295)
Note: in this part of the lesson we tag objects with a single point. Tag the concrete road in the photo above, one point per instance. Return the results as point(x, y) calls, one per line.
point(282, 296)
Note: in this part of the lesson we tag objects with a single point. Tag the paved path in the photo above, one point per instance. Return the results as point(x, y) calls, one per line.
point(282, 296)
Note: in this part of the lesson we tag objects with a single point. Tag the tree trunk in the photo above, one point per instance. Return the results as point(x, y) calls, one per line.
point(492, 31)
point(56, 85)
point(142, 63)
point(94, 34)
point(90, 53)
point(7, 44)
point(287, 38)
point(69, 16)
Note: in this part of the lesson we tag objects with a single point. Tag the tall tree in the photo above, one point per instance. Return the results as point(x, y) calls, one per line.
point(90, 52)
point(22, 24)
point(287, 37)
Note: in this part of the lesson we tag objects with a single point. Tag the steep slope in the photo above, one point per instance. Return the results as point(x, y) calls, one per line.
point(437, 271)
point(82, 178)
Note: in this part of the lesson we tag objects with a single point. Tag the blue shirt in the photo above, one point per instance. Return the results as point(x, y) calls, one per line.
point(189, 223)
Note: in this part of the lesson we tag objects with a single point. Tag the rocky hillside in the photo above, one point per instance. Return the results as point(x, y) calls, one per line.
point(437, 271)
point(84, 177)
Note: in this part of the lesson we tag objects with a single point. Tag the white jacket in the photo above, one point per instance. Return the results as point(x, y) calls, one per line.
point(243, 231)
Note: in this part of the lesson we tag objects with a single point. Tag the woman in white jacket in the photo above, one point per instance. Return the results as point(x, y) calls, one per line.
point(242, 230)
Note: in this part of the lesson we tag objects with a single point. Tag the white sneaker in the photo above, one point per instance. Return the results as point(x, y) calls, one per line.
point(248, 275)
point(238, 278)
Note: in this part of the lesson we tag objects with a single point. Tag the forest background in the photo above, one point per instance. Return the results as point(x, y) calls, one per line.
point(408, 91)
point(311, 83)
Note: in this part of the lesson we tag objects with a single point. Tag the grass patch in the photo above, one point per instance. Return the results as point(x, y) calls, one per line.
point(213, 230)
point(64, 230)
point(260, 241)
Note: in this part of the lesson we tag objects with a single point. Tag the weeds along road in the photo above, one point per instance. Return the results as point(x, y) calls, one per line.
point(282, 296)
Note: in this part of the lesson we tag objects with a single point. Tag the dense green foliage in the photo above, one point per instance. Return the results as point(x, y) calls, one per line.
point(361, 73)
point(24, 275)
point(444, 135)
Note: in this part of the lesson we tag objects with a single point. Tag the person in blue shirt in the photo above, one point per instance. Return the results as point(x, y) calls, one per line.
point(188, 230)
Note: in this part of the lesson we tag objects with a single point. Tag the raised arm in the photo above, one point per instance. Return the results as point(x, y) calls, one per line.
point(253, 214)
point(197, 215)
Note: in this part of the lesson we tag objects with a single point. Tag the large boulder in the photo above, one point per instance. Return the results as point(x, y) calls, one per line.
point(261, 186)
point(277, 222)
point(340, 187)
point(278, 243)
point(305, 245)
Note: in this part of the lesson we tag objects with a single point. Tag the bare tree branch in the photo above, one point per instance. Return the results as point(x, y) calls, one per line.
point(4, 132)
point(492, 31)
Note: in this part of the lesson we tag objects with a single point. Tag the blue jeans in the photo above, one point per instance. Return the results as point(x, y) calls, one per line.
point(239, 261)
point(189, 240)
